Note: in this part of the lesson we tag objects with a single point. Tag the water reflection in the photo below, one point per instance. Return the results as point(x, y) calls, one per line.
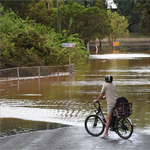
point(17, 126)
point(67, 99)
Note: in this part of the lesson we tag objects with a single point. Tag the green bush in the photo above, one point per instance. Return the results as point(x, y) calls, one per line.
point(26, 43)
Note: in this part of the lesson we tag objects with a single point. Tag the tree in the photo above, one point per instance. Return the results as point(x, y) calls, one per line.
point(143, 8)
point(101, 4)
point(126, 8)
point(87, 22)
point(92, 3)
point(20, 7)
point(119, 26)
point(41, 14)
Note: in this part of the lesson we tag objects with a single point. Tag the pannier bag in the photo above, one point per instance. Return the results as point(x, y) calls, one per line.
point(123, 107)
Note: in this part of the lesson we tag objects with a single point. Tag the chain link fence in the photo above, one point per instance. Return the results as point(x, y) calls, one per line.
point(35, 72)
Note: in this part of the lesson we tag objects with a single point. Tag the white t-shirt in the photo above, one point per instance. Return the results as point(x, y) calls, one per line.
point(109, 90)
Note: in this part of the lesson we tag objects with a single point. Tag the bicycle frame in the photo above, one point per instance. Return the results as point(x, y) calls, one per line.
point(101, 115)
point(99, 111)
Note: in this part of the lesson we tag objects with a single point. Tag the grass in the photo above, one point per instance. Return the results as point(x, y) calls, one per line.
point(138, 35)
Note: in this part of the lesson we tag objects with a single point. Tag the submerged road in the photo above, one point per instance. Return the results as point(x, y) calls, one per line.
point(72, 138)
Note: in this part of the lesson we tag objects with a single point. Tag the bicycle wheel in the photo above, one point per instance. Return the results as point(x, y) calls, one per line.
point(94, 125)
point(124, 127)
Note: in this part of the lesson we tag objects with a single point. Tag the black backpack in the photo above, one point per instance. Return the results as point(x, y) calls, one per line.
point(121, 100)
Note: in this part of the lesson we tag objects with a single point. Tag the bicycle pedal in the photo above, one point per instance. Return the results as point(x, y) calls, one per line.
point(94, 125)
point(112, 129)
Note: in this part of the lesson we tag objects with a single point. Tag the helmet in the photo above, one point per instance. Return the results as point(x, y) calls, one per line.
point(108, 78)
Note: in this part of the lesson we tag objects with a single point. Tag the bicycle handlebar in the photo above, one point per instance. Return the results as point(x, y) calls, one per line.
point(99, 106)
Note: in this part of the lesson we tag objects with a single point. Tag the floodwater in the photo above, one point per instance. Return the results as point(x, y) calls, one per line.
point(52, 102)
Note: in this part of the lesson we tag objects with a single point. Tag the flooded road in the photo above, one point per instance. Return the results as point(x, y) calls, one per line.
point(35, 103)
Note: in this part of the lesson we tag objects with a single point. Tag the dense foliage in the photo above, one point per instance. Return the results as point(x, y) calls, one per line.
point(75, 18)
point(119, 26)
point(138, 14)
point(87, 22)
point(28, 29)
point(126, 8)
point(143, 8)
point(26, 43)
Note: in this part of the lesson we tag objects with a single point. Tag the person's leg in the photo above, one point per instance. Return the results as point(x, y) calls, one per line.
point(108, 119)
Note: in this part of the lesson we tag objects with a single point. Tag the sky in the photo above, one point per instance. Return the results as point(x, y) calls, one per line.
point(111, 4)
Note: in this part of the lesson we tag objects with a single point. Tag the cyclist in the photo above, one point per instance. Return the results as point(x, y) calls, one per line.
point(109, 92)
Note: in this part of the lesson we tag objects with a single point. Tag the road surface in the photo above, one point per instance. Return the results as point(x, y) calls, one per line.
point(72, 138)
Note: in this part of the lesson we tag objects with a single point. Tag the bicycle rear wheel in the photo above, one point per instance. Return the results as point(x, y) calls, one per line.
point(94, 125)
point(124, 127)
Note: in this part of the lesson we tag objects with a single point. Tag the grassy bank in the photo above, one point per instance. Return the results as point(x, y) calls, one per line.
point(133, 42)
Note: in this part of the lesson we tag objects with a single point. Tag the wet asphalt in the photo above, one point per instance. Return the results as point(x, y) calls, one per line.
point(72, 138)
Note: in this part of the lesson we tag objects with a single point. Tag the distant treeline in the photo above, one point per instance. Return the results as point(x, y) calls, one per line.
point(32, 31)
point(136, 11)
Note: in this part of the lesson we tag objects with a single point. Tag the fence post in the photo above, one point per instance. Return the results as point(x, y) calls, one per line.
point(69, 61)
point(58, 73)
point(39, 71)
point(18, 72)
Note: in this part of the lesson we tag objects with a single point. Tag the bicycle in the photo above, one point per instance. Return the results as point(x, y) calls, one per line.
point(120, 123)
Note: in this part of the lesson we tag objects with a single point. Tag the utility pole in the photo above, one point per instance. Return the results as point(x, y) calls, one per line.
point(58, 17)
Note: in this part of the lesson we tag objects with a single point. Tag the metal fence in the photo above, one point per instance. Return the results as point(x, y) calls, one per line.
point(35, 72)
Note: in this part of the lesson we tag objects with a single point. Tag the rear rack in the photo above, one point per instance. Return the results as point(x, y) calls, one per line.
point(124, 109)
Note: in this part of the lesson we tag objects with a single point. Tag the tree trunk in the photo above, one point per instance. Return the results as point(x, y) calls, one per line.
point(47, 4)
point(110, 43)
point(86, 44)
point(100, 44)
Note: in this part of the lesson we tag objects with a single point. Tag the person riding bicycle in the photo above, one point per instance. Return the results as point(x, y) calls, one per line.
point(109, 92)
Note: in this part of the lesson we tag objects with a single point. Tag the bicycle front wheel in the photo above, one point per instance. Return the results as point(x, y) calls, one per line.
point(94, 125)
point(124, 127)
